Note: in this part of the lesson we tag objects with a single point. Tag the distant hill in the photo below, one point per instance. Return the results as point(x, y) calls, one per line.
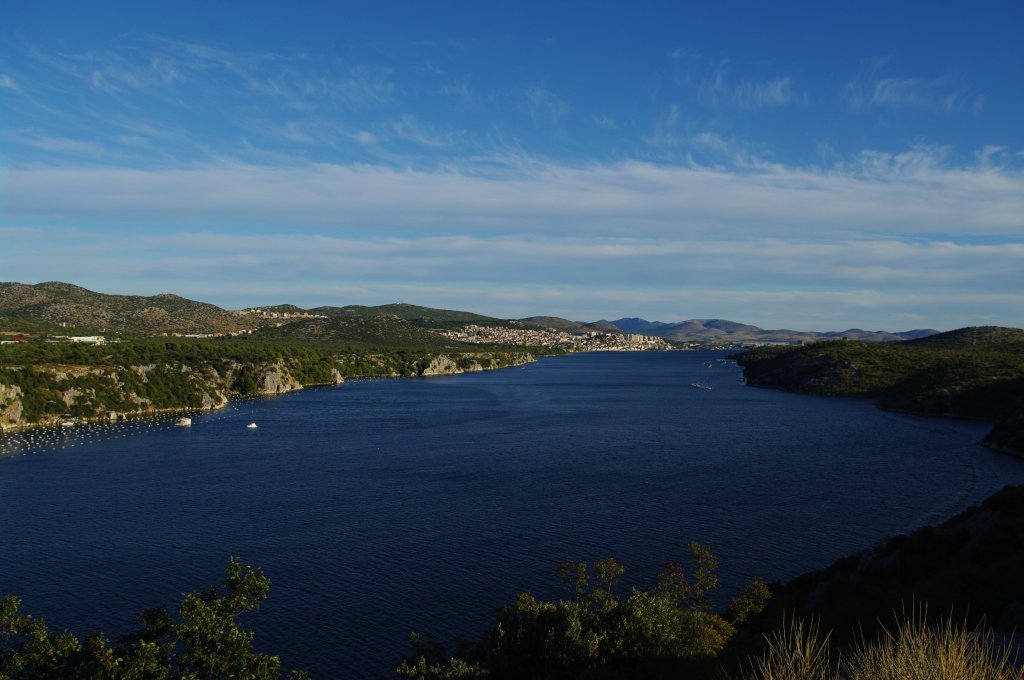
point(559, 324)
point(603, 327)
point(994, 338)
point(423, 317)
point(280, 309)
point(636, 325)
point(39, 308)
point(56, 303)
point(722, 330)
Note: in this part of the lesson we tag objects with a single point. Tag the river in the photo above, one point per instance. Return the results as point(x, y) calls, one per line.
point(380, 507)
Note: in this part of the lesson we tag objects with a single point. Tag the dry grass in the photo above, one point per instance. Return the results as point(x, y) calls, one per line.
point(797, 651)
point(917, 650)
point(914, 650)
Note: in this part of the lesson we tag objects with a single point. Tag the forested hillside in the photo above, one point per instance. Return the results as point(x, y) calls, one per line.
point(968, 373)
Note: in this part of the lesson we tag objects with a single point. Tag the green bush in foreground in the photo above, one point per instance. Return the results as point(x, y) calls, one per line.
point(662, 631)
point(202, 641)
point(666, 631)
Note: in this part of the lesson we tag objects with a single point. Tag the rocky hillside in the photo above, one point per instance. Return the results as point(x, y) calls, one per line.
point(86, 311)
point(42, 384)
point(46, 395)
point(967, 373)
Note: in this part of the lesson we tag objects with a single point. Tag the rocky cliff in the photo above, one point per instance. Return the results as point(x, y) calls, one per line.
point(45, 395)
point(32, 396)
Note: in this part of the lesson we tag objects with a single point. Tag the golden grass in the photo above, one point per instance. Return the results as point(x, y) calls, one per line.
point(797, 651)
point(915, 649)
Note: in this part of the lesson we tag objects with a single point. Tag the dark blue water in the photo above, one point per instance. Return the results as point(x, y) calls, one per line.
point(382, 507)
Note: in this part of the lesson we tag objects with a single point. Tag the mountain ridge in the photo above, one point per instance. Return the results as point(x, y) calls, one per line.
point(723, 330)
point(56, 303)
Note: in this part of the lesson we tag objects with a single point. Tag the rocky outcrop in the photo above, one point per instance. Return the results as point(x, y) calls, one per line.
point(111, 393)
point(276, 380)
point(10, 406)
point(441, 365)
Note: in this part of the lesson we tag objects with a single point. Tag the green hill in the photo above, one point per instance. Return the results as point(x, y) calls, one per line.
point(422, 317)
point(54, 303)
point(995, 338)
point(559, 324)
point(967, 373)
point(384, 330)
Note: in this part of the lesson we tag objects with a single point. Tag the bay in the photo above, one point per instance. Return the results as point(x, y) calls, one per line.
point(382, 507)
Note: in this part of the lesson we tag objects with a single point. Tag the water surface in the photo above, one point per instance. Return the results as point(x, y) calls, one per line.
point(381, 507)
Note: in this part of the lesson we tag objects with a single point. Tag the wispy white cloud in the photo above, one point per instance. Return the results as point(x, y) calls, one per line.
point(942, 94)
point(465, 97)
point(543, 105)
point(518, 276)
point(882, 193)
point(8, 83)
point(716, 86)
point(165, 68)
point(63, 146)
point(411, 129)
point(767, 93)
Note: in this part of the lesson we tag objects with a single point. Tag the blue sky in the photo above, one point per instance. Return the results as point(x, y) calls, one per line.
point(802, 165)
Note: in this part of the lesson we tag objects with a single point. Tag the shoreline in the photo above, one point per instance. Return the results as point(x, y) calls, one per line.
point(440, 365)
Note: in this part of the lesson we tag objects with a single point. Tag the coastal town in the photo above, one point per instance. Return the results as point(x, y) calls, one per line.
point(592, 341)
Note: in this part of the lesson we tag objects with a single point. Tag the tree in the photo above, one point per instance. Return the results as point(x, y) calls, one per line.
point(656, 632)
point(202, 641)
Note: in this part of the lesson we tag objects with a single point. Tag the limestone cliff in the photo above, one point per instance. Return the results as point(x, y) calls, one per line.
point(45, 395)
point(275, 379)
point(443, 364)
point(11, 410)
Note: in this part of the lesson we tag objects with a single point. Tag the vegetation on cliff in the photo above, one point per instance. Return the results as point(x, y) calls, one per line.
point(968, 373)
point(969, 565)
point(42, 382)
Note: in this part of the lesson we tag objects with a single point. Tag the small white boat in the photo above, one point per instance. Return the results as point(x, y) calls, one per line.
point(252, 426)
point(184, 422)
